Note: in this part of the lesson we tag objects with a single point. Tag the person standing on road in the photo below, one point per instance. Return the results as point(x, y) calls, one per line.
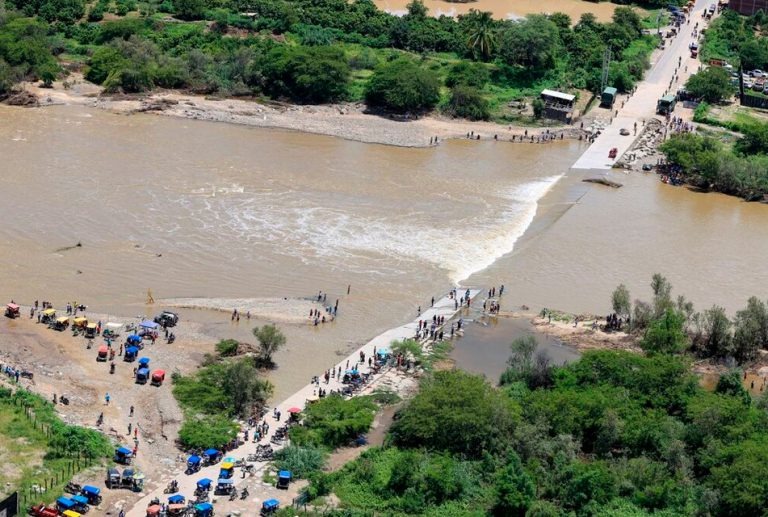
point(107, 398)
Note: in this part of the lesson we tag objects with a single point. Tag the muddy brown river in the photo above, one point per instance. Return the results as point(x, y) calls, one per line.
point(198, 209)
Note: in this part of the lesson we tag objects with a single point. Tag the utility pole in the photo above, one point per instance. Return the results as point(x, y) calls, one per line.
point(658, 22)
point(606, 69)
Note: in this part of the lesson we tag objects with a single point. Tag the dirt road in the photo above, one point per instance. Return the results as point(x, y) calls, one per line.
point(62, 364)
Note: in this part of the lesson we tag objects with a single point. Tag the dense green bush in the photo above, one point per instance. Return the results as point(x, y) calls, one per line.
point(467, 102)
point(616, 434)
point(203, 432)
point(301, 461)
point(65, 440)
point(305, 74)
point(403, 86)
point(226, 388)
point(67, 11)
point(333, 422)
point(457, 412)
point(227, 347)
point(712, 85)
point(708, 165)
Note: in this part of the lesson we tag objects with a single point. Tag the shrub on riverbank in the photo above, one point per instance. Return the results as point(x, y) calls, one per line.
point(301, 461)
point(333, 422)
point(671, 326)
point(707, 164)
point(403, 86)
point(213, 396)
point(203, 432)
point(228, 388)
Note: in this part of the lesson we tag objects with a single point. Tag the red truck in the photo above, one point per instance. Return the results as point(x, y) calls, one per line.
point(42, 510)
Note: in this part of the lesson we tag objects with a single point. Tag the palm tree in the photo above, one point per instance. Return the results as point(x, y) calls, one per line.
point(482, 34)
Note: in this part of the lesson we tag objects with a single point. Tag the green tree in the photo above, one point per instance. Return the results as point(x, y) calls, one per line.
point(751, 329)
point(311, 75)
point(620, 301)
point(730, 384)
point(243, 387)
point(520, 363)
point(208, 431)
point(666, 335)
point(190, 9)
point(229, 388)
point(662, 295)
point(227, 347)
point(482, 34)
point(742, 479)
point(588, 483)
point(7, 78)
point(716, 338)
point(465, 73)
point(531, 43)
point(402, 86)
point(467, 102)
point(334, 422)
point(754, 139)
point(515, 491)
point(458, 412)
point(713, 85)
point(642, 315)
point(103, 61)
point(270, 341)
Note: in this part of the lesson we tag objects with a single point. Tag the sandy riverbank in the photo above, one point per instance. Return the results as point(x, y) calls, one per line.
point(64, 365)
point(347, 120)
point(282, 310)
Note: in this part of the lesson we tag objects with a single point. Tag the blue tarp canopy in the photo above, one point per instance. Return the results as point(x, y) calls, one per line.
point(80, 499)
point(142, 372)
point(284, 474)
point(131, 350)
point(65, 502)
point(143, 361)
point(211, 452)
point(382, 351)
point(91, 490)
point(269, 504)
point(147, 324)
point(176, 499)
point(225, 481)
point(194, 459)
point(133, 338)
point(125, 451)
point(204, 506)
point(352, 372)
point(204, 483)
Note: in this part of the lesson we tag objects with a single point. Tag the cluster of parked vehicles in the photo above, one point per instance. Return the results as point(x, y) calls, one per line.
point(80, 502)
point(754, 80)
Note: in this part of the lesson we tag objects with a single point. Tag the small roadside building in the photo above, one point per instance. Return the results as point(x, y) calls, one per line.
point(558, 105)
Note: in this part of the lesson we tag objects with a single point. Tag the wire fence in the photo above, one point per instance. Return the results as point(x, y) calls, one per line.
point(67, 465)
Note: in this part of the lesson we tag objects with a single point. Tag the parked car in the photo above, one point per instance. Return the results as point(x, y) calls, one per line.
point(167, 319)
